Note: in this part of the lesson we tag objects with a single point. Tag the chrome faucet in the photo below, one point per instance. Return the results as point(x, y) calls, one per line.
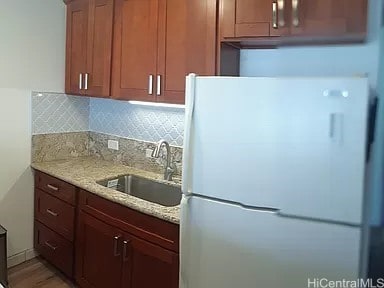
point(169, 168)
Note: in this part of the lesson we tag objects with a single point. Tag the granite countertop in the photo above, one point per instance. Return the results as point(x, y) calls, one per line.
point(83, 172)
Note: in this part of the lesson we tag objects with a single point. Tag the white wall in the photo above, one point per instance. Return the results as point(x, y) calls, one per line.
point(32, 45)
point(32, 48)
point(341, 60)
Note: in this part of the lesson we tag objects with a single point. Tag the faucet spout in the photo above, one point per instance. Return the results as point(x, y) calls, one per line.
point(169, 169)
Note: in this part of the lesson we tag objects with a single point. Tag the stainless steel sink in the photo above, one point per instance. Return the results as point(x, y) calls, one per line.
point(163, 194)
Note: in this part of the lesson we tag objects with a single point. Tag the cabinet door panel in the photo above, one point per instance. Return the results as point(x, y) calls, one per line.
point(99, 52)
point(329, 17)
point(201, 40)
point(172, 50)
point(97, 264)
point(77, 22)
point(253, 18)
point(135, 53)
point(148, 265)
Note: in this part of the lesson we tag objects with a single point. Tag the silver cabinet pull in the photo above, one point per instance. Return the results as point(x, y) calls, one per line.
point(295, 13)
point(86, 81)
point(280, 14)
point(50, 245)
point(274, 15)
point(150, 85)
point(54, 188)
point(158, 85)
point(125, 250)
point(54, 214)
point(116, 251)
point(81, 81)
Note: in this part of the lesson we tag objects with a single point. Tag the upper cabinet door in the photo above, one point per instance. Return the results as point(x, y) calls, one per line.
point(99, 52)
point(135, 49)
point(329, 18)
point(253, 18)
point(76, 50)
point(172, 51)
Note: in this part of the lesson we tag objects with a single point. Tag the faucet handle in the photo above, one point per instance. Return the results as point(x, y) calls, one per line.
point(156, 152)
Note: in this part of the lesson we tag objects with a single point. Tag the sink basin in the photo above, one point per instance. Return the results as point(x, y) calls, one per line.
point(155, 192)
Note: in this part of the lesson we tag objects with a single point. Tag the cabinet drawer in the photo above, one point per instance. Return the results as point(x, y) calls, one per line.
point(54, 213)
point(54, 248)
point(152, 229)
point(56, 187)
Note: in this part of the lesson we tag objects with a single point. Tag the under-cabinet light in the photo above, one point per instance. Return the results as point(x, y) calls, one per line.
point(154, 104)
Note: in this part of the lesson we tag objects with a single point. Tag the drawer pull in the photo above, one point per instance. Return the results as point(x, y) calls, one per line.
point(116, 251)
point(125, 250)
point(54, 188)
point(49, 245)
point(49, 211)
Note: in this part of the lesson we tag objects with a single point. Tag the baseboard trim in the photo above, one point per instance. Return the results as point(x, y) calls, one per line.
point(21, 257)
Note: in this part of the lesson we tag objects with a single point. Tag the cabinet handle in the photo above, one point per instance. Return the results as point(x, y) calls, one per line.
point(150, 85)
point(50, 246)
point(274, 15)
point(54, 214)
point(125, 250)
point(86, 81)
point(295, 13)
point(158, 91)
point(81, 81)
point(280, 14)
point(116, 251)
point(52, 187)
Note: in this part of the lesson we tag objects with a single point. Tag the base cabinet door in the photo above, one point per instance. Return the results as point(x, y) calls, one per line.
point(148, 265)
point(98, 255)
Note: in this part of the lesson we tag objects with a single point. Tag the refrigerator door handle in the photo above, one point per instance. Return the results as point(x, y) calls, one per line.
point(184, 241)
point(189, 104)
point(336, 125)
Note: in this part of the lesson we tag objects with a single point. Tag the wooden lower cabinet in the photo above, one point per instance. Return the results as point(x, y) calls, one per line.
point(110, 254)
point(148, 265)
point(98, 255)
point(101, 243)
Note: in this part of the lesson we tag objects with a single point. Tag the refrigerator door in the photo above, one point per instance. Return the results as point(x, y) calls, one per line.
point(295, 144)
point(228, 246)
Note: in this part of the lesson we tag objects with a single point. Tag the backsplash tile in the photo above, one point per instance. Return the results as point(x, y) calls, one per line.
point(139, 122)
point(59, 146)
point(58, 113)
point(133, 153)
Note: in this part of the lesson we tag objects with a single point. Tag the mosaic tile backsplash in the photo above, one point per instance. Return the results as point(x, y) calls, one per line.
point(139, 122)
point(58, 113)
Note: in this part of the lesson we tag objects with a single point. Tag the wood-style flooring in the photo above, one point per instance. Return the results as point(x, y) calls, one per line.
point(37, 273)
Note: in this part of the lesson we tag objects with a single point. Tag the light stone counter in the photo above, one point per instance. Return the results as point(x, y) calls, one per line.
point(83, 172)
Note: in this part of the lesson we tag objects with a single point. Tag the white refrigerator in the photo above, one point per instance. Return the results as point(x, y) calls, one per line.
point(273, 182)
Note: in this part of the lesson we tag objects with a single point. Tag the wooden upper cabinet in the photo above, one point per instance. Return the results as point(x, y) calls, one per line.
point(172, 52)
point(324, 18)
point(149, 59)
point(148, 265)
point(99, 47)
point(201, 43)
point(76, 50)
point(253, 18)
point(296, 20)
point(135, 49)
point(89, 47)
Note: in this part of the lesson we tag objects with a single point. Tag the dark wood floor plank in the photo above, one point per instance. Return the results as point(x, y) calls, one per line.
point(37, 273)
